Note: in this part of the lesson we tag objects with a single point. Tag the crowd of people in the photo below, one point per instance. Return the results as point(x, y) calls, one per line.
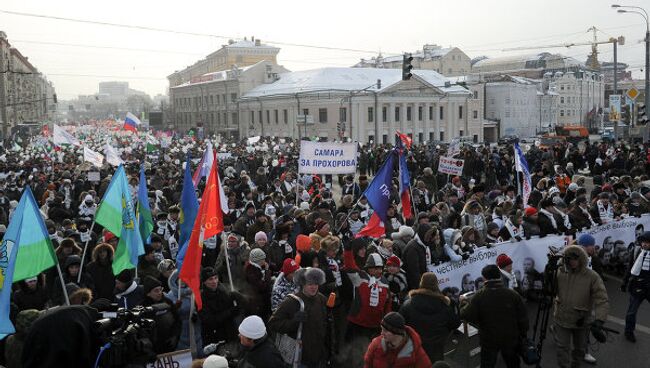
point(289, 264)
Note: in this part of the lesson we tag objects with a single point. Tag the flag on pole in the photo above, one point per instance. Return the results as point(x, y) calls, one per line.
point(95, 158)
point(117, 215)
point(189, 208)
point(60, 137)
point(131, 122)
point(209, 222)
point(112, 157)
point(405, 139)
point(26, 251)
point(522, 166)
point(378, 195)
point(205, 165)
point(145, 221)
point(405, 186)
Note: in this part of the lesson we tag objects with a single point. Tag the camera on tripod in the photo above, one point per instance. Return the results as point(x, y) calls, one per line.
point(127, 335)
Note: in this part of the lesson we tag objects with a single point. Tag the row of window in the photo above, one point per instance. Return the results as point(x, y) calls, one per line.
point(209, 100)
point(211, 118)
point(421, 137)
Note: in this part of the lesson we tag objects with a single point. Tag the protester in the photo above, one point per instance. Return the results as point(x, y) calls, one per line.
point(398, 346)
point(259, 351)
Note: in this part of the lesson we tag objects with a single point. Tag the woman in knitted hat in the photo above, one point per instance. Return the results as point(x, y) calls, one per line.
point(321, 230)
point(431, 314)
point(284, 284)
point(258, 278)
point(400, 238)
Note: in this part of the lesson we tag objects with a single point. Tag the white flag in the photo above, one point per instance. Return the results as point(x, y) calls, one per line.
point(112, 157)
point(60, 137)
point(93, 157)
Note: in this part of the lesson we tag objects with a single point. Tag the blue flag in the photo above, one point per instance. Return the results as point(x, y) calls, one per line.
point(189, 209)
point(145, 221)
point(378, 192)
point(26, 250)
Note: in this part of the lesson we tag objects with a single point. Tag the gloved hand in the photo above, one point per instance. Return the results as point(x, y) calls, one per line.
point(598, 323)
point(300, 316)
point(597, 331)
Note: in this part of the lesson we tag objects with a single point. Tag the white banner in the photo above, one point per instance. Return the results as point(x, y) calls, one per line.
point(60, 136)
point(451, 166)
point(529, 257)
point(112, 157)
point(613, 240)
point(97, 159)
point(327, 158)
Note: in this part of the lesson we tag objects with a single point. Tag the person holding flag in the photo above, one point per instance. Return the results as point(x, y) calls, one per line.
point(521, 166)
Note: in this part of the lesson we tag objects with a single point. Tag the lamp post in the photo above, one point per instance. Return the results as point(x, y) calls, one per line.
point(642, 12)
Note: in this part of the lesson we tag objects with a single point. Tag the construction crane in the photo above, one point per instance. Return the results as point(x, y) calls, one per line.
point(592, 60)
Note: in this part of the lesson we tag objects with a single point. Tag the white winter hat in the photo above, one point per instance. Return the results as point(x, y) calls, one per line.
point(304, 206)
point(252, 327)
point(403, 232)
point(215, 361)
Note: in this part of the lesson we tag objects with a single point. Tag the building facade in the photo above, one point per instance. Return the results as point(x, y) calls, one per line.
point(241, 54)
point(210, 101)
point(513, 103)
point(449, 61)
point(362, 104)
point(25, 94)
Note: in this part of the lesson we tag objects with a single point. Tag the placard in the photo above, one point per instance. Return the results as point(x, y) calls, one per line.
point(176, 359)
point(327, 158)
point(94, 176)
point(451, 166)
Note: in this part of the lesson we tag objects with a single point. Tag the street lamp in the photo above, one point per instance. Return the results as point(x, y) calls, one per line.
point(642, 12)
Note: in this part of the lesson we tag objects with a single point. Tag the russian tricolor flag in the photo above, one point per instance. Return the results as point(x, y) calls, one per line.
point(131, 122)
point(405, 186)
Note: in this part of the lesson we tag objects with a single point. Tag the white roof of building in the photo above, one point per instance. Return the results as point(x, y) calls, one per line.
point(248, 43)
point(569, 61)
point(346, 79)
point(215, 76)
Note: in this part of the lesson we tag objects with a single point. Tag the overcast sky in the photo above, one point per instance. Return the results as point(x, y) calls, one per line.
point(478, 27)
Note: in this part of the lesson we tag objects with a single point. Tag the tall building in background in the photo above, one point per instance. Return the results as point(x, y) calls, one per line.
point(449, 61)
point(26, 96)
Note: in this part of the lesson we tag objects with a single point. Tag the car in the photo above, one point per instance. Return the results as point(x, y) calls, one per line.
point(508, 139)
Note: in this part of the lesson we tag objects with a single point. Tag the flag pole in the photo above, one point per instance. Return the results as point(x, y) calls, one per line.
point(65, 291)
point(179, 286)
point(191, 330)
point(83, 256)
point(225, 250)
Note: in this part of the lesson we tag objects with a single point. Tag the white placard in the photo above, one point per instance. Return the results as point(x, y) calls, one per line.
point(94, 176)
point(176, 359)
point(451, 166)
point(327, 158)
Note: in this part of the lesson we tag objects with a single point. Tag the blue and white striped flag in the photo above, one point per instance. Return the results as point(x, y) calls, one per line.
point(522, 166)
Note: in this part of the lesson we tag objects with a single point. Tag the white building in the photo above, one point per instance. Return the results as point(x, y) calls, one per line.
point(449, 61)
point(348, 103)
point(513, 103)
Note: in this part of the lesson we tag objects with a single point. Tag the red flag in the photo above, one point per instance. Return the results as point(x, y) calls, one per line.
point(374, 229)
point(406, 140)
point(209, 222)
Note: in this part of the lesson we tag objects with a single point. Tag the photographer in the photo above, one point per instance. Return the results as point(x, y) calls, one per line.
point(579, 290)
point(500, 315)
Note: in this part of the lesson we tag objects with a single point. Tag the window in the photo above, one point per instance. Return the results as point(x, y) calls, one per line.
point(305, 112)
point(276, 116)
point(343, 114)
point(476, 95)
point(285, 116)
point(420, 112)
point(460, 112)
point(260, 116)
point(507, 113)
point(508, 101)
point(235, 118)
point(562, 87)
point(371, 114)
point(475, 138)
point(431, 114)
point(420, 137)
point(475, 114)
point(442, 136)
point(218, 100)
point(384, 114)
point(442, 114)
point(268, 116)
point(384, 139)
point(233, 97)
point(430, 136)
point(211, 99)
point(322, 115)
point(397, 113)
point(409, 113)
point(492, 102)
point(219, 118)
point(561, 112)
point(252, 117)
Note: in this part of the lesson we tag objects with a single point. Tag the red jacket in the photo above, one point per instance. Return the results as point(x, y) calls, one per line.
point(362, 313)
point(410, 354)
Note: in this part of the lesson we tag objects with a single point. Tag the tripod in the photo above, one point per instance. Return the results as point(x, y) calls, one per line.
point(545, 304)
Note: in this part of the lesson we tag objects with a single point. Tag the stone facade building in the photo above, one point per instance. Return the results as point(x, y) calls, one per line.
point(450, 61)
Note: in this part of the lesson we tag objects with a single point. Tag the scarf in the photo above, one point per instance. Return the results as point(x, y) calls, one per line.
point(373, 284)
point(383, 252)
point(515, 231)
point(511, 278)
point(565, 218)
point(427, 250)
point(479, 222)
point(333, 266)
point(550, 217)
point(259, 268)
point(606, 214)
point(642, 263)
point(586, 213)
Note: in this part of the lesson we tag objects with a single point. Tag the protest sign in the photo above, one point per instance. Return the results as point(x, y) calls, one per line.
point(176, 359)
point(451, 166)
point(327, 158)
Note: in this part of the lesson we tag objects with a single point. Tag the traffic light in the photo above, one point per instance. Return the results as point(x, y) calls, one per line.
point(54, 98)
point(406, 67)
point(641, 115)
point(625, 114)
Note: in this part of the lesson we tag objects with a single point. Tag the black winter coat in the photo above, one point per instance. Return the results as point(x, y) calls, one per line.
point(217, 315)
point(263, 355)
point(432, 318)
point(102, 275)
point(415, 263)
point(24, 298)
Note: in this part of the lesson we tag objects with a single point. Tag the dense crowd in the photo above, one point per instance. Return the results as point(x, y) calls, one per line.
point(289, 260)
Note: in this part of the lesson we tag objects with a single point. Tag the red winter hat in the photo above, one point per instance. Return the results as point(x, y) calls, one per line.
point(393, 261)
point(108, 236)
point(289, 266)
point(530, 211)
point(503, 260)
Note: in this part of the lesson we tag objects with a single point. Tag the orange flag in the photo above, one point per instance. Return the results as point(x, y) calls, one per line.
point(209, 222)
